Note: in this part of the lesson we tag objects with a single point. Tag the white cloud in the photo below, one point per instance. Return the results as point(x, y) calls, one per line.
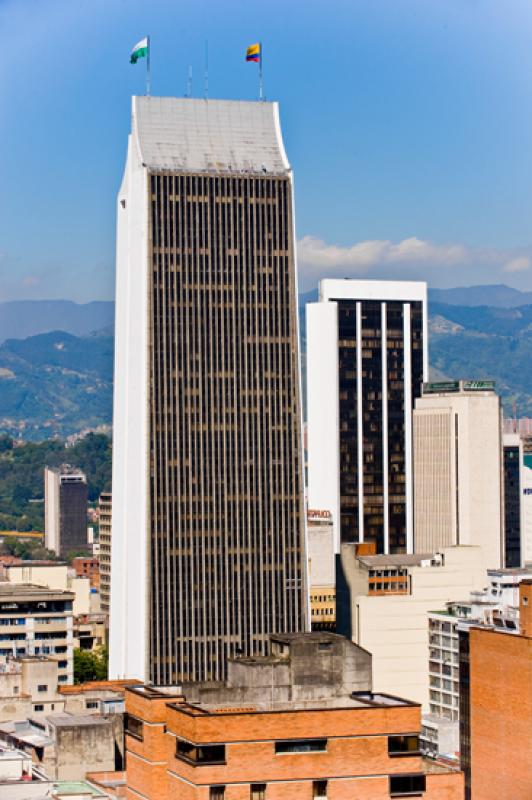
point(440, 264)
point(519, 264)
point(363, 255)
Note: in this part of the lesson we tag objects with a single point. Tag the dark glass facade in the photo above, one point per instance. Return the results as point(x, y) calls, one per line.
point(465, 709)
point(378, 494)
point(512, 506)
point(225, 433)
point(73, 496)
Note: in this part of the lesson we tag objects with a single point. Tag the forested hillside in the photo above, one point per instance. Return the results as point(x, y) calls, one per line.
point(22, 475)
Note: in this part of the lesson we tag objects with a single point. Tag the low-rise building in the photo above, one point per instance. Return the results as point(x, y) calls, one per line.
point(382, 602)
point(20, 779)
point(496, 706)
point(67, 746)
point(496, 606)
point(52, 575)
point(87, 568)
point(300, 723)
point(322, 578)
point(36, 621)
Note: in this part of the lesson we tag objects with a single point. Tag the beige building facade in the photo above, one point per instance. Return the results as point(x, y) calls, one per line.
point(321, 564)
point(105, 511)
point(383, 603)
point(458, 469)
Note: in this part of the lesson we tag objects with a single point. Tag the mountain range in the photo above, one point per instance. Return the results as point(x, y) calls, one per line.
point(59, 382)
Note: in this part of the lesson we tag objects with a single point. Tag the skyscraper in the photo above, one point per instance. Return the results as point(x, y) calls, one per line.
point(208, 527)
point(366, 362)
point(457, 469)
point(65, 509)
point(512, 461)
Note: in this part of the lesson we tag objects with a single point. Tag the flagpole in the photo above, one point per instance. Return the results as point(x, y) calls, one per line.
point(206, 76)
point(261, 87)
point(148, 70)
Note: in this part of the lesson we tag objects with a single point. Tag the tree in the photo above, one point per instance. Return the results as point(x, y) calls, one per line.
point(90, 665)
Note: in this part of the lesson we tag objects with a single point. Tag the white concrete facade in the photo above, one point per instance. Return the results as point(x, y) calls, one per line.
point(323, 401)
point(322, 410)
point(51, 509)
point(184, 137)
point(393, 626)
point(128, 624)
point(458, 472)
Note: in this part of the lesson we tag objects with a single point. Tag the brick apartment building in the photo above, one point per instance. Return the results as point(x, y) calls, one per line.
point(88, 568)
point(496, 707)
point(301, 723)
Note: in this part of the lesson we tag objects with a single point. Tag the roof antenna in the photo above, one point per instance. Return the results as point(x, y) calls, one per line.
point(206, 69)
point(189, 82)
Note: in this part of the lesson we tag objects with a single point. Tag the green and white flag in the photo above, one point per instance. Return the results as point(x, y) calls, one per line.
point(139, 51)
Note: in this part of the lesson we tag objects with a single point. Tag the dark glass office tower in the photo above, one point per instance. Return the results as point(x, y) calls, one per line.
point(65, 513)
point(365, 368)
point(512, 501)
point(217, 428)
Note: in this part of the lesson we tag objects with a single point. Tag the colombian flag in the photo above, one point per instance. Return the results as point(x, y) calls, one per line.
point(253, 52)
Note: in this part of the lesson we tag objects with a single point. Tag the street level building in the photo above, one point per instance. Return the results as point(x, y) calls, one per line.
point(457, 469)
point(105, 506)
point(496, 706)
point(65, 509)
point(208, 544)
point(367, 358)
point(301, 723)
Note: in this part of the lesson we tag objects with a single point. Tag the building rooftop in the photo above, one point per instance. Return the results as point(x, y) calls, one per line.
point(213, 136)
point(26, 732)
point(73, 788)
point(396, 560)
point(356, 289)
point(76, 720)
point(458, 387)
point(36, 563)
point(357, 700)
point(28, 591)
point(512, 571)
point(118, 686)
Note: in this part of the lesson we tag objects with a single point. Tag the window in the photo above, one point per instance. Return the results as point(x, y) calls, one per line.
point(217, 793)
point(319, 790)
point(134, 726)
point(200, 754)
point(42, 687)
point(15, 689)
point(403, 785)
point(38, 707)
point(407, 745)
point(257, 791)
point(62, 679)
point(62, 664)
point(91, 704)
point(301, 746)
point(324, 645)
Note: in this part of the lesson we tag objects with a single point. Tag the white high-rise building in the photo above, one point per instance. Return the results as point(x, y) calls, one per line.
point(458, 469)
point(367, 358)
point(208, 547)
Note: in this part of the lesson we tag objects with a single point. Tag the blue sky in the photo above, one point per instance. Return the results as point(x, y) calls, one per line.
point(408, 124)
